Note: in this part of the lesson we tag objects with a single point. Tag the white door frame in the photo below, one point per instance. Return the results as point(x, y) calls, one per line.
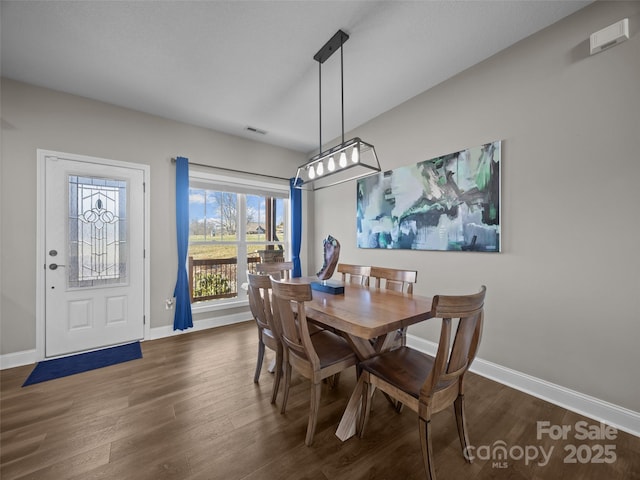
point(40, 238)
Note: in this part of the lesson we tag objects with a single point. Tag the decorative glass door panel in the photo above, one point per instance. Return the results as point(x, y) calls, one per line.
point(97, 232)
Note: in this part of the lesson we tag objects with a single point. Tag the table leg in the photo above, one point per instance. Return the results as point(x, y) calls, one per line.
point(364, 349)
point(361, 346)
point(347, 426)
point(385, 342)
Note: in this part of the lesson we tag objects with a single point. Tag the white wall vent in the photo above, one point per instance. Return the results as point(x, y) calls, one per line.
point(610, 36)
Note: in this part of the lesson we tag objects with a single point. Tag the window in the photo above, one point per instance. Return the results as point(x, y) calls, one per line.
point(232, 226)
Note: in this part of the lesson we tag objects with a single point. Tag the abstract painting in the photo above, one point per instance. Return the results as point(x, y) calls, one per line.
point(447, 203)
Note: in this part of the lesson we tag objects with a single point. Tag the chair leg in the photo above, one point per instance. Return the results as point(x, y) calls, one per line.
point(287, 382)
point(427, 448)
point(256, 376)
point(461, 422)
point(333, 380)
point(316, 389)
point(278, 375)
point(397, 405)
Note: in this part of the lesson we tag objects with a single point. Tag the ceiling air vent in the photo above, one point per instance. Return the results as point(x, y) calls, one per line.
point(256, 130)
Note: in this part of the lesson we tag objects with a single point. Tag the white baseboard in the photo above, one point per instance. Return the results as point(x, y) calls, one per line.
point(28, 357)
point(168, 331)
point(17, 359)
point(599, 410)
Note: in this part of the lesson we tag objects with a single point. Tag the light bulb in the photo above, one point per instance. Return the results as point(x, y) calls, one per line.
point(312, 172)
point(320, 169)
point(355, 155)
point(331, 166)
point(343, 159)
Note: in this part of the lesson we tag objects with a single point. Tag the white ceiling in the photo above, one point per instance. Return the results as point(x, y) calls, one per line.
point(227, 65)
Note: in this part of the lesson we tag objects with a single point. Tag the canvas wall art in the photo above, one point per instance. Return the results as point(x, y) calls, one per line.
point(448, 203)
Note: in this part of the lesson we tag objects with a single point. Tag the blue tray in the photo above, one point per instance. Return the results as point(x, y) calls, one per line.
point(333, 287)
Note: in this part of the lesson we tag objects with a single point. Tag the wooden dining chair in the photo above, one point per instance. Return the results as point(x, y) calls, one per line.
point(397, 281)
point(355, 274)
point(394, 279)
point(429, 384)
point(316, 357)
point(284, 268)
point(282, 271)
point(268, 330)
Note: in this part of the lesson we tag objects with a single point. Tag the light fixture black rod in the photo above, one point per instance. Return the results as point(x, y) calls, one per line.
point(173, 160)
point(321, 56)
point(342, 90)
point(320, 103)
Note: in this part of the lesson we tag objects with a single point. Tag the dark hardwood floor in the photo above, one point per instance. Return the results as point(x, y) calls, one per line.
point(190, 410)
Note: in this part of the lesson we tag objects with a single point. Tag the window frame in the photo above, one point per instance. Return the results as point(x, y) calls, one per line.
point(199, 179)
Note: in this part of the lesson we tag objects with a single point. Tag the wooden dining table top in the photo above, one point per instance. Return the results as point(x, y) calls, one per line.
point(366, 312)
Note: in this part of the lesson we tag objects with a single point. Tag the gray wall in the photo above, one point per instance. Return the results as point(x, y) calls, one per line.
point(35, 118)
point(563, 299)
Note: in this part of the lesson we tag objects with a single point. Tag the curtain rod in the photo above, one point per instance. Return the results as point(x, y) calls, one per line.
point(173, 160)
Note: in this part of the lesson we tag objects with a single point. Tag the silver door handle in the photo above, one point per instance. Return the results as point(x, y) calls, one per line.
point(54, 266)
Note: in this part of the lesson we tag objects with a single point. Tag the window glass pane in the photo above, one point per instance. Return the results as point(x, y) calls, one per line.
point(213, 215)
point(223, 219)
point(212, 250)
point(280, 226)
point(197, 229)
point(214, 272)
point(256, 219)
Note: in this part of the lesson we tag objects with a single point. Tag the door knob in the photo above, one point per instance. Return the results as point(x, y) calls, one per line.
point(54, 266)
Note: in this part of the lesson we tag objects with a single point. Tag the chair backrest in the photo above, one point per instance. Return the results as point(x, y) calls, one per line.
point(452, 361)
point(283, 268)
point(394, 279)
point(356, 274)
point(288, 310)
point(260, 302)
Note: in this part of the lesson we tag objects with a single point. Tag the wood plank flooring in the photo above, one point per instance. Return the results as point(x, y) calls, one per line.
point(189, 410)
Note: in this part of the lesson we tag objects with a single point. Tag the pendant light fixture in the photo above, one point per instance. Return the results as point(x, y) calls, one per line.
point(349, 160)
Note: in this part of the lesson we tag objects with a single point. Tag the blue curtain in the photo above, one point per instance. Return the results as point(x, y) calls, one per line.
point(182, 318)
point(296, 227)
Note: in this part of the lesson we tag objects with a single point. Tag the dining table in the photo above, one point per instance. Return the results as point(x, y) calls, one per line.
point(368, 318)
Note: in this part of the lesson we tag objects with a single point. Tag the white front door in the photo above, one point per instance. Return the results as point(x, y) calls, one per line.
point(94, 254)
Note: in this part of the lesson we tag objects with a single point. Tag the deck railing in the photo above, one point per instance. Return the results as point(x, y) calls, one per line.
point(213, 278)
